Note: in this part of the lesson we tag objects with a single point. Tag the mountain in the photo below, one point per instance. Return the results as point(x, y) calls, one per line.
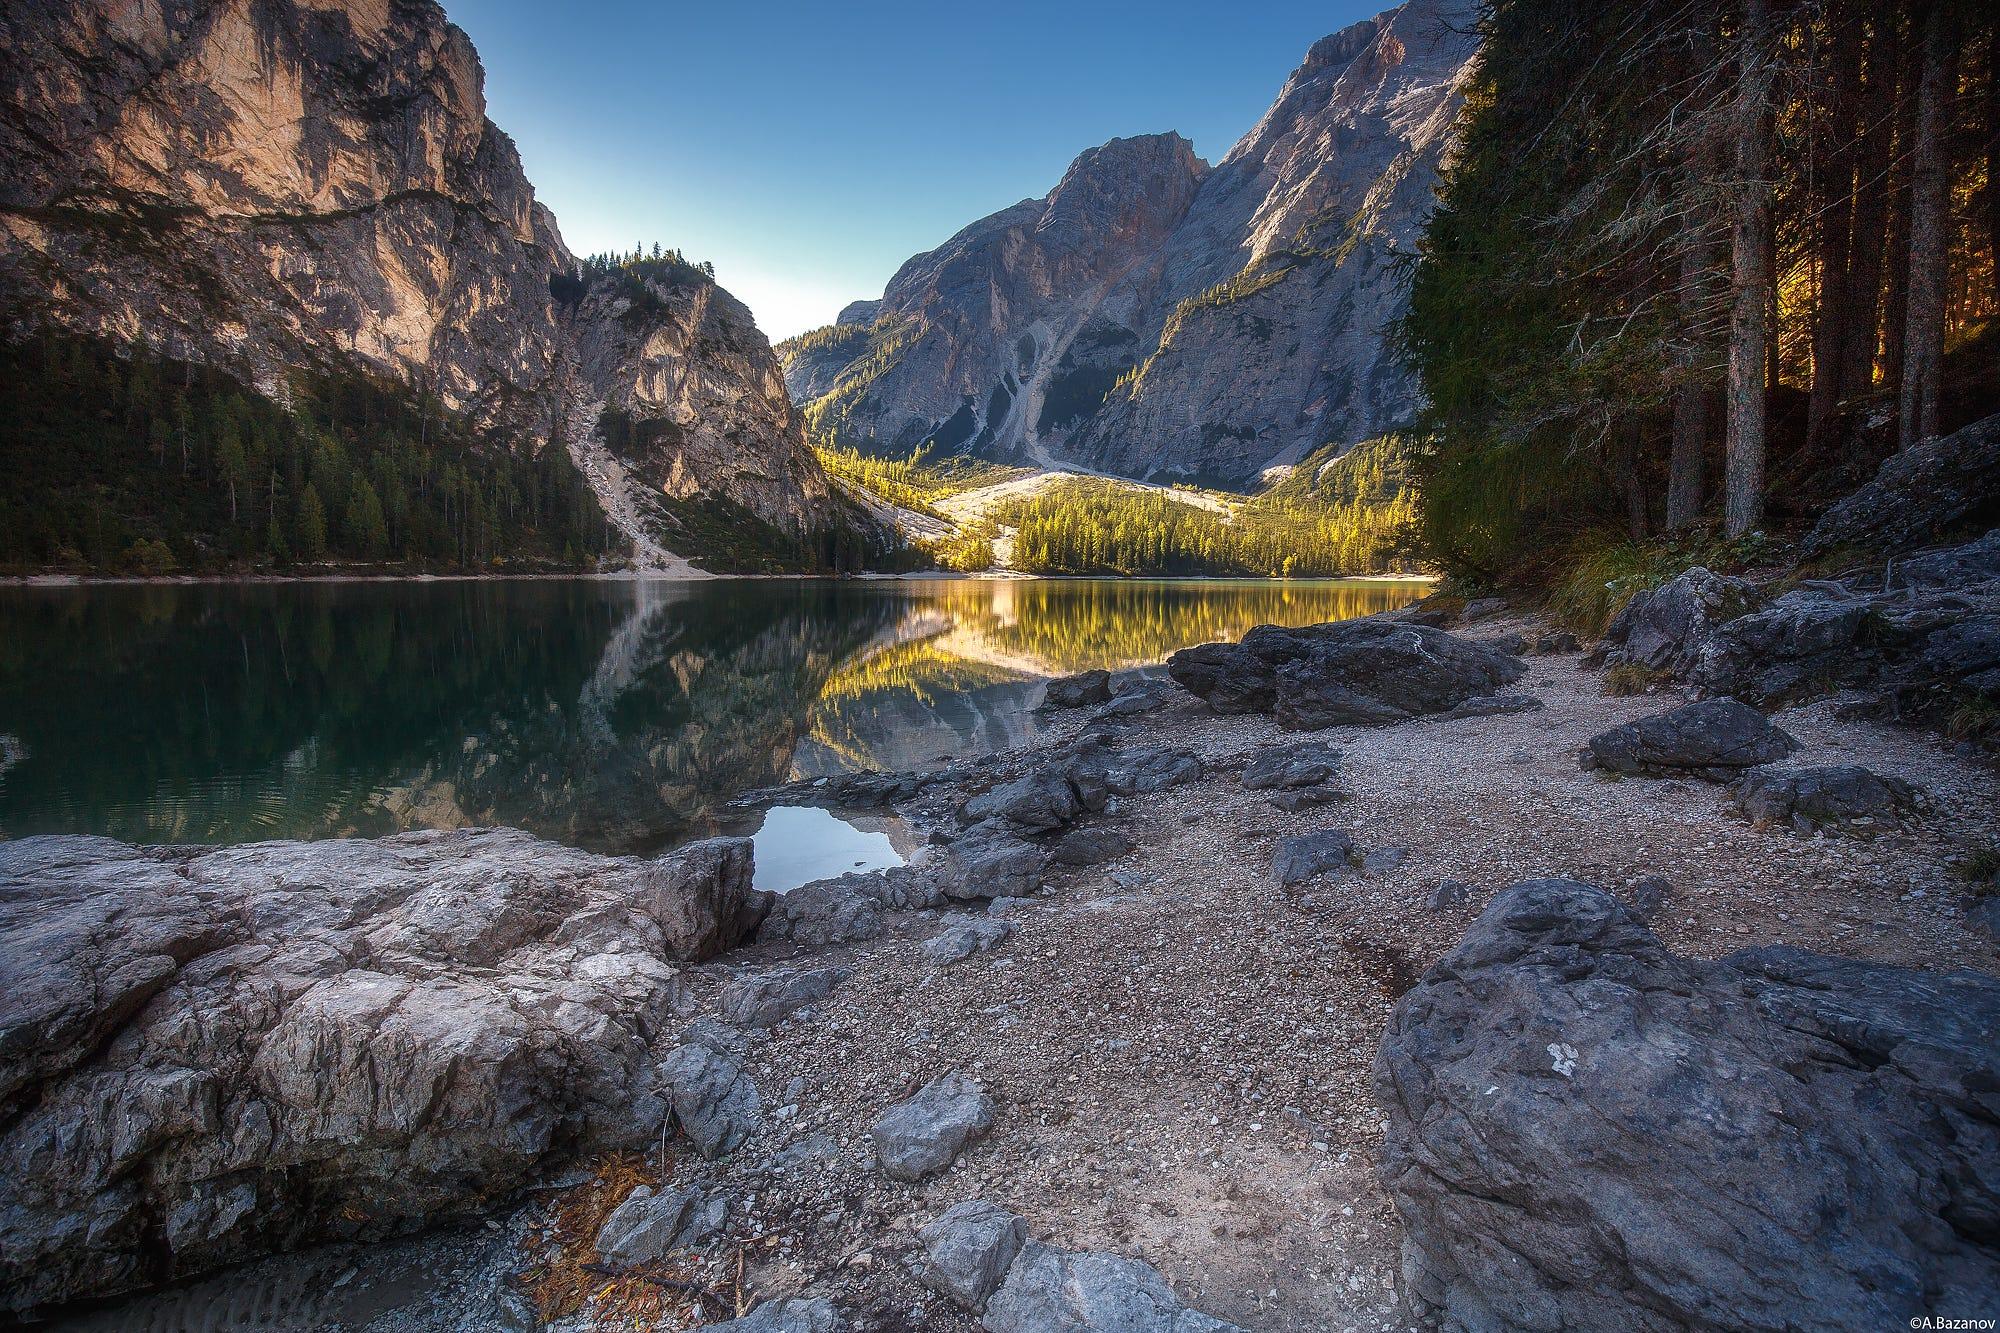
point(1157, 317)
point(267, 187)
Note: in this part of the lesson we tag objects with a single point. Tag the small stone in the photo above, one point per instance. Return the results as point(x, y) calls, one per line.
point(1308, 855)
point(923, 1134)
point(969, 1248)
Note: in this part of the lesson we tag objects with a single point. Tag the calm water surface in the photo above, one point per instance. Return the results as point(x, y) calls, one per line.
point(616, 716)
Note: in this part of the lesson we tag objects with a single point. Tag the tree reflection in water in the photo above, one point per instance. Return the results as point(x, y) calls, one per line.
point(613, 715)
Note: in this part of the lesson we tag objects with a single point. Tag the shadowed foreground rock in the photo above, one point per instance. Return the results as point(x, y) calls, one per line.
point(1714, 739)
point(1367, 672)
point(1588, 1132)
point(211, 1054)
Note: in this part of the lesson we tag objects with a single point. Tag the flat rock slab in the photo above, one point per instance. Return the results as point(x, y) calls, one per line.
point(1307, 855)
point(1586, 1131)
point(649, 1223)
point(1284, 767)
point(924, 1134)
point(1836, 796)
point(210, 1053)
point(1714, 739)
point(761, 999)
point(1061, 1291)
point(961, 941)
point(795, 1316)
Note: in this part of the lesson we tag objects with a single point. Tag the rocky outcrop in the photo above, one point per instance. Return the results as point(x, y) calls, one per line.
point(1368, 672)
point(1155, 316)
point(213, 1053)
point(1921, 635)
point(272, 185)
point(1713, 738)
point(1585, 1131)
point(1922, 496)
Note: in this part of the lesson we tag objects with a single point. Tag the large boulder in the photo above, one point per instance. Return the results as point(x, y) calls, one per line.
point(1714, 738)
point(1078, 691)
point(1366, 672)
point(1586, 1131)
point(213, 1053)
point(1921, 496)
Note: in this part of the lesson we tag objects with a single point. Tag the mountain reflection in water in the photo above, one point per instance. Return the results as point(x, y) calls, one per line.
point(617, 716)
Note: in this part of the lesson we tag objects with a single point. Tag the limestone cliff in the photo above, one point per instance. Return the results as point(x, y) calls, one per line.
point(267, 184)
point(1157, 317)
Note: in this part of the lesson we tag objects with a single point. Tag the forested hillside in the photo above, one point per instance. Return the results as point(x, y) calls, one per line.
point(1700, 266)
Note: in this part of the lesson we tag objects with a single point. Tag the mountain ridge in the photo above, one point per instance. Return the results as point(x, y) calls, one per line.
point(1239, 328)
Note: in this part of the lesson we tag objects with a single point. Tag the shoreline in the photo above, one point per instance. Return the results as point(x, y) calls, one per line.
point(1178, 1045)
point(634, 576)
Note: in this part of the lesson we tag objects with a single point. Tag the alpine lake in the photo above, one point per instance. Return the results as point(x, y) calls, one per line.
point(620, 716)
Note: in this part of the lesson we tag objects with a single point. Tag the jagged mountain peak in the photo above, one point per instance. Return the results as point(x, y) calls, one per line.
point(1153, 315)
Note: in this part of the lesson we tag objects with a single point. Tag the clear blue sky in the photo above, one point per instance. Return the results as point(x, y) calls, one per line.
point(807, 149)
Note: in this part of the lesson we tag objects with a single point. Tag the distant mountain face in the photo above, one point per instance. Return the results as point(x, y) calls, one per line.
point(267, 184)
point(1154, 316)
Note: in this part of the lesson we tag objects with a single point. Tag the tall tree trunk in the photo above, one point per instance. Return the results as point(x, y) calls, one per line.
point(1686, 454)
point(1896, 294)
point(1863, 299)
point(1750, 278)
point(1930, 186)
point(1836, 217)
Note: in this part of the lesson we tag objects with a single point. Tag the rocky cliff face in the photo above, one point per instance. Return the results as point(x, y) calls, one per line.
point(1154, 316)
point(265, 184)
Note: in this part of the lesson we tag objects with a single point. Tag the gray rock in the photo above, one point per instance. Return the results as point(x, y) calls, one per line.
point(1586, 1131)
point(1305, 798)
point(1091, 846)
point(1841, 795)
point(968, 1249)
point(1450, 893)
point(989, 861)
point(1714, 739)
point(1134, 702)
point(828, 911)
point(1984, 915)
point(1921, 496)
point(712, 1098)
point(1662, 628)
point(1079, 691)
point(1305, 764)
point(763, 999)
point(1648, 897)
point(793, 1316)
point(1481, 607)
point(1557, 641)
point(966, 939)
point(1511, 643)
point(206, 1052)
point(647, 1224)
point(924, 1133)
point(1149, 769)
point(1493, 705)
point(1367, 672)
point(1040, 802)
point(1306, 855)
point(1058, 1291)
point(1384, 860)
